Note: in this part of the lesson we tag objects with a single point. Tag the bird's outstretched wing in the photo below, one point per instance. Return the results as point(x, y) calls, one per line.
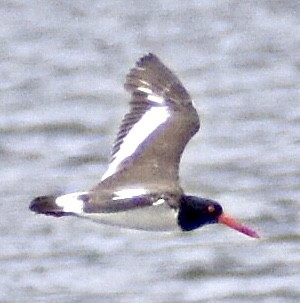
point(143, 169)
point(157, 128)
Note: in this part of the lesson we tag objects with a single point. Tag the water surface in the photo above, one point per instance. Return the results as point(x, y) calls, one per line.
point(63, 66)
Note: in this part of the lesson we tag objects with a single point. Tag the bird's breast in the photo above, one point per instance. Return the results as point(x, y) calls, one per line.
point(158, 216)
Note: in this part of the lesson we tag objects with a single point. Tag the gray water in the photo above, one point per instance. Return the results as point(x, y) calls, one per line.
point(62, 68)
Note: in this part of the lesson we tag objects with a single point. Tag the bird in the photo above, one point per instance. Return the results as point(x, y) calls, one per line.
point(141, 188)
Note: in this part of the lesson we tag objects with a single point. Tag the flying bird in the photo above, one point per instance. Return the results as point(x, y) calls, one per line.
point(141, 187)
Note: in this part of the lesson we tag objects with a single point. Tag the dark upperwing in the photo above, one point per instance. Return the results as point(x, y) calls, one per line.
point(153, 135)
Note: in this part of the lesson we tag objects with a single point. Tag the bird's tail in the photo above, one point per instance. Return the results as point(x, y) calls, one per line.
point(46, 205)
point(59, 206)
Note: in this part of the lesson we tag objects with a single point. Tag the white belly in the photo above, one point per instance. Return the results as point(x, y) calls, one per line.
point(152, 218)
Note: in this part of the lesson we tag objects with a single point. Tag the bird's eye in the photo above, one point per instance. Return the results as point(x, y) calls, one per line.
point(211, 209)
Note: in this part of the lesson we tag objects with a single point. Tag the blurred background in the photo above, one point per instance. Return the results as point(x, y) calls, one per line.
point(62, 69)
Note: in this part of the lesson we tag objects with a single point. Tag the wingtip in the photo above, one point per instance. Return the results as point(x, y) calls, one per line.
point(146, 58)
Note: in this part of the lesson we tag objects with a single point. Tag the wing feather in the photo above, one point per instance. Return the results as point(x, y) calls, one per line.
point(155, 144)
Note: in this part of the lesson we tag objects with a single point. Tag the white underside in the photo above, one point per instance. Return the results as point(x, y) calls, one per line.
point(152, 218)
point(158, 217)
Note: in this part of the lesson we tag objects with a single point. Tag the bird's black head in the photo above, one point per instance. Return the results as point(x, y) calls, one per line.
point(195, 212)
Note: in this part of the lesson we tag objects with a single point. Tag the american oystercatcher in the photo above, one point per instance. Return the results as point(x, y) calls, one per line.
point(141, 188)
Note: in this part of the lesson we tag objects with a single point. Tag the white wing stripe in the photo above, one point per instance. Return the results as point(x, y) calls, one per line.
point(149, 122)
point(156, 99)
point(145, 90)
point(150, 95)
point(128, 193)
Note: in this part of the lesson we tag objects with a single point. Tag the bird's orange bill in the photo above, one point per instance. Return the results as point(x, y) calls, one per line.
point(229, 221)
